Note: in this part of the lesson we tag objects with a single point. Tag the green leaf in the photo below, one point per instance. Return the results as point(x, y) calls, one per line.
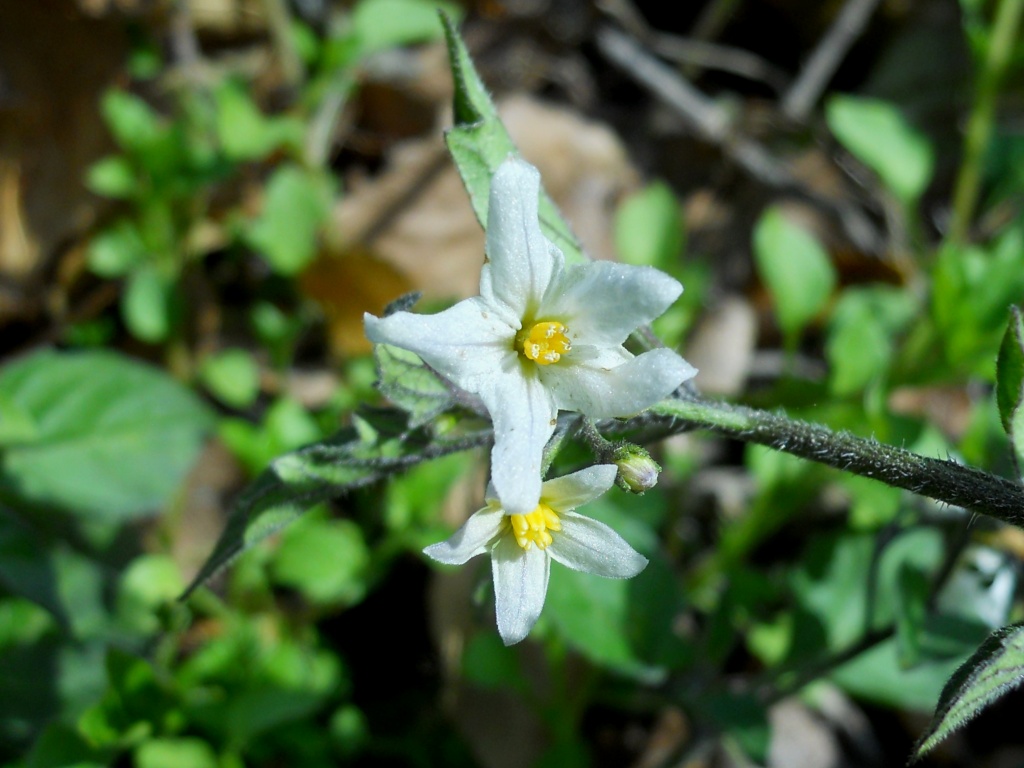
point(54, 576)
point(379, 445)
point(1010, 380)
point(911, 600)
point(297, 204)
point(117, 250)
point(993, 671)
point(877, 134)
point(114, 437)
point(232, 376)
point(175, 753)
point(136, 127)
point(593, 615)
point(112, 176)
point(147, 304)
point(406, 381)
point(649, 228)
point(243, 131)
point(796, 269)
point(489, 663)
point(479, 143)
point(326, 560)
point(860, 346)
point(148, 584)
point(381, 24)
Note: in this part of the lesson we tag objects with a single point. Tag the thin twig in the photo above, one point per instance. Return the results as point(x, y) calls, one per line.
point(712, 123)
point(826, 58)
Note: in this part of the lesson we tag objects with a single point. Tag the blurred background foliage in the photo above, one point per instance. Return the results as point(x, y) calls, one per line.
point(200, 198)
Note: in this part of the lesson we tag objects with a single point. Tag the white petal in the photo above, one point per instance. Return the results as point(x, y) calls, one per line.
point(570, 491)
point(523, 413)
point(471, 539)
point(624, 390)
point(520, 586)
point(603, 302)
point(464, 343)
point(523, 262)
point(584, 544)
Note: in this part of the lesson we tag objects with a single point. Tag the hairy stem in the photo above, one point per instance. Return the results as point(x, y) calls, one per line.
point(939, 479)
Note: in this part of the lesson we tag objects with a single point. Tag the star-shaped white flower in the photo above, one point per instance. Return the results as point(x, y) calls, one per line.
point(541, 337)
point(523, 546)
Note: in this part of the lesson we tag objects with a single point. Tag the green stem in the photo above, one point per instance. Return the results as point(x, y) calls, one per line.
point(939, 479)
point(979, 127)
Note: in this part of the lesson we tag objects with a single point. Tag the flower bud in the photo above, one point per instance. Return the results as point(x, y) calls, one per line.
point(638, 472)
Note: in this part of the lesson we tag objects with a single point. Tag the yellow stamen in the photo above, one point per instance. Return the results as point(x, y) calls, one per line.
point(546, 342)
point(533, 528)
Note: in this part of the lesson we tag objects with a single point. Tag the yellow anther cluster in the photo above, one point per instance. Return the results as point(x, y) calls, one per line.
point(546, 342)
point(533, 528)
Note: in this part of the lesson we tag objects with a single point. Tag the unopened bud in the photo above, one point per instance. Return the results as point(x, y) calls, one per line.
point(638, 472)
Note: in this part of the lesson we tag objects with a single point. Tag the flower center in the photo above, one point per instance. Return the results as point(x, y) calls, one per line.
point(546, 342)
point(533, 528)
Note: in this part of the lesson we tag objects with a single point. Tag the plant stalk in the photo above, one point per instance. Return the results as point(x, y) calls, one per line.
point(940, 479)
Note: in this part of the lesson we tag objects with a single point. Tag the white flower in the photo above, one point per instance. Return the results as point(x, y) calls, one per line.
point(523, 546)
point(541, 337)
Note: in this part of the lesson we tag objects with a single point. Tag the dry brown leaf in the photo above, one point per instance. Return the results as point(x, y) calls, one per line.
point(346, 285)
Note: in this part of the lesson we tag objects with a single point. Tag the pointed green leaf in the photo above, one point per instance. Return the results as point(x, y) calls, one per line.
point(479, 143)
point(378, 445)
point(407, 382)
point(996, 668)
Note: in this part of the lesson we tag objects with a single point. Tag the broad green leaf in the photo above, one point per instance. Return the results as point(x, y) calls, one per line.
point(479, 143)
point(379, 444)
point(232, 376)
point(1010, 381)
point(795, 268)
point(381, 24)
point(877, 134)
point(407, 382)
point(297, 203)
point(16, 424)
point(147, 304)
point(114, 437)
point(993, 671)
point(113, 176)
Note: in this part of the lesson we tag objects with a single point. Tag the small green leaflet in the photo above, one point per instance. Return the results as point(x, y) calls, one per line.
point(380, 443)
point(479, 143)
point(996, 668)
point(407, 382)
point(1010, 381)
